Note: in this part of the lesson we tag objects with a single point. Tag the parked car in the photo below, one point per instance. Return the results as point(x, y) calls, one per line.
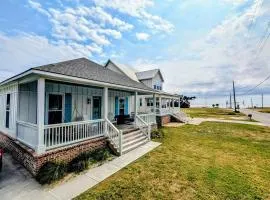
point(1, 156)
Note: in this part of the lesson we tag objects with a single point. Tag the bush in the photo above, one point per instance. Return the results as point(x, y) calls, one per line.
point(83, 161)
point(231, 113)
point(80, 163)
point(100, 155)
point(157, 133)
point(51, 172)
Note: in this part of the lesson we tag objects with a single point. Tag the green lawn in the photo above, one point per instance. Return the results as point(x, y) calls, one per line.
point(219, 113)
point(263, 110)
point(209, 161)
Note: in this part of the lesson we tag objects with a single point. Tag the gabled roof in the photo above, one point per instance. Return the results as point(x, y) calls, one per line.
point(148, 74)
point(86, 69)
point(127, 70)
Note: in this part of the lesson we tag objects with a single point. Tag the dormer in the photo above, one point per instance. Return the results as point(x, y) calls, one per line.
point(151, 78)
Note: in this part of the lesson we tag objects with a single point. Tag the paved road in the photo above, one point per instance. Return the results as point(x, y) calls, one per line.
point(258, 116)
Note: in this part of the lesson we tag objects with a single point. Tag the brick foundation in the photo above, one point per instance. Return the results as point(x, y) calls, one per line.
point(162, 120)
point(33, 162)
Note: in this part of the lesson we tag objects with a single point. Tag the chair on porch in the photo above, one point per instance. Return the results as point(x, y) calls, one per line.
point(125, 119)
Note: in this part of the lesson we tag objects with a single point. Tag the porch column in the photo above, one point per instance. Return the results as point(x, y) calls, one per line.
point(155, 103)
point(105, 109)
point(40, 148)
point(135, 104)
point(105, 103)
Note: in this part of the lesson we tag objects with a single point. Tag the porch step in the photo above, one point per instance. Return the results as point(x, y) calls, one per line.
point(132, 135)
point(133, 140)
point(135, 145)
point(127, 143)
point(130, 130)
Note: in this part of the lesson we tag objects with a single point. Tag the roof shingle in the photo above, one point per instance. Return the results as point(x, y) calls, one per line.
point(84, 68)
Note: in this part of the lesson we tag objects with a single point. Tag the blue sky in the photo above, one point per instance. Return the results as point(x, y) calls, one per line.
point(200, 45)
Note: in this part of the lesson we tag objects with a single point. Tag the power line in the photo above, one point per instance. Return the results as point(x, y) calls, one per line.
point(268, 77)
point(252, 24)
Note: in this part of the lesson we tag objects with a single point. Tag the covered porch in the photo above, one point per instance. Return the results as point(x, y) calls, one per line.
point(164, 104)
point(53, 114)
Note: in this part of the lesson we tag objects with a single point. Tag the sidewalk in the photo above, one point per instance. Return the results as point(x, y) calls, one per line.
point(198, 121)
point(79, 184)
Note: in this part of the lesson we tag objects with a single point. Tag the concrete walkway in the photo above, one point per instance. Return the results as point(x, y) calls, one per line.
point(79, 184)
point(198, 121)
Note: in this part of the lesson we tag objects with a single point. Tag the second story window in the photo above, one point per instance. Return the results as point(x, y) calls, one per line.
point(155, 87)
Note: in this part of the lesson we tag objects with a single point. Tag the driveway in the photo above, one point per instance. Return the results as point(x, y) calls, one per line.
point(17, 183)
point(258, 116)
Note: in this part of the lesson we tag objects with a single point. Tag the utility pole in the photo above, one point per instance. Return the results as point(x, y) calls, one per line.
point(234, 98)
point(230, 100)
point(251, 103)
point(262, 100)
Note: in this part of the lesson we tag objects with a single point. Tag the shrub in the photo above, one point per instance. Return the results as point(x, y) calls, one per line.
point(231, 113)
point(51, 172)
point(80, 163)
point(100, 155)
point(83, 161)
point(157, 133)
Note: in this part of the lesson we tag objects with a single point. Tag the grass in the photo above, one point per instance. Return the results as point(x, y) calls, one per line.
point(219, 113)
point(263, 110)
point(209, 161)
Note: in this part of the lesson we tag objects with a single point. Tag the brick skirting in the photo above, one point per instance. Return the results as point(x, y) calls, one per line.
point(28, 158)
point(162, 120)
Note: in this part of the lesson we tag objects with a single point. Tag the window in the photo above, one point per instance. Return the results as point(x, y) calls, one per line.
point(55, 109)
point(140, 102)
point(160, 88)
point(7, 110)
point(149, 102)
point(155, 87)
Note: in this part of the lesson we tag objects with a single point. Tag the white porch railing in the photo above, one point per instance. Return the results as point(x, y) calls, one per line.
point(143, 126)
point(27, 133)
point(115, 136)
point(149, 118)
point(57, 135)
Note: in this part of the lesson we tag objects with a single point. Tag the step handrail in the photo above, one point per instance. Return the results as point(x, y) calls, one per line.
point(115, 135)
point(143, 126)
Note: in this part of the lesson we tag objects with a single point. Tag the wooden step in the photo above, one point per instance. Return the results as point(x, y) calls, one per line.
point(134, 146)
point(132, 142)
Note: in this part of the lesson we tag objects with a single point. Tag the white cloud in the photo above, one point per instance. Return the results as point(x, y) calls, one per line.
point(23, 51)
point(227, 53)
point(142, 36)
point(137, 9)
point(37, 6)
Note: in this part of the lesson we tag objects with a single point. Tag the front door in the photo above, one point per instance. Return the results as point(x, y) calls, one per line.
point(55, 110)
point(96, 107)
point(121, 106)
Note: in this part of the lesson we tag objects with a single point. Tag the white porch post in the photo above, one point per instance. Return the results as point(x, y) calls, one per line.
point(40, 148)
point(135, 105)
point(105, 103)
point(105, 108)
point(155, 103)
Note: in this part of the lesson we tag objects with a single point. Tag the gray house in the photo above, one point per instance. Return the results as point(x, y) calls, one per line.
point(51, 110)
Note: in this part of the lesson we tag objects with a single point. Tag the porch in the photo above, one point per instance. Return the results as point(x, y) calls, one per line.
point(54, 114)
point(164, 104)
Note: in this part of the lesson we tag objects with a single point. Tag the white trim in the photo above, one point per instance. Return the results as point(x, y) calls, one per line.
point(87, 81)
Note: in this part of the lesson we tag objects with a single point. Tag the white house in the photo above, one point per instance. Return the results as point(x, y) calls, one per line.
point(67, 105)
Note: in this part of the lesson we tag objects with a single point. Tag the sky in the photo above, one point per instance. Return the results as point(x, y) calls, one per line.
point(201, 46)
